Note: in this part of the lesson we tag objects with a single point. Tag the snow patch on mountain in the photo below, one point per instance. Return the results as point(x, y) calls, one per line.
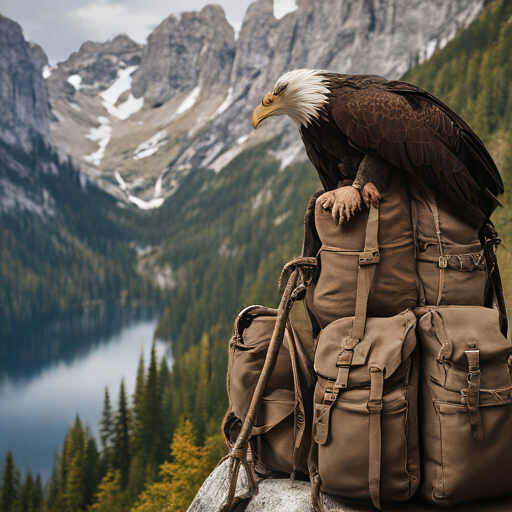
point(119, 178)
point(47, 71)
point(123, 83)
point(287, 155)
point(283, 7)
point(101, 135)
point(130, 107)
point(150, 146)
point(75, 81)
point(225, 104)
point(147, 205)
point(429, 50)
point(188, 102)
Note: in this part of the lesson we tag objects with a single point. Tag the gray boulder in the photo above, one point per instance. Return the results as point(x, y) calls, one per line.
point(280, 496)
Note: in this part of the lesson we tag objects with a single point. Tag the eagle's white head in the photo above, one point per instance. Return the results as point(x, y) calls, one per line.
point(300, 94)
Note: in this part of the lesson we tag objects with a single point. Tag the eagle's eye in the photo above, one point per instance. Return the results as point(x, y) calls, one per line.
point(267, 99)
point(279, 89)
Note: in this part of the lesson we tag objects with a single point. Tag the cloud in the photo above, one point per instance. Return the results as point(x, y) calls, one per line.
point(102, 20)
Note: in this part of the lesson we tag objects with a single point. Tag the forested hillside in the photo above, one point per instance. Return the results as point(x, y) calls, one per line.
point(77, 248)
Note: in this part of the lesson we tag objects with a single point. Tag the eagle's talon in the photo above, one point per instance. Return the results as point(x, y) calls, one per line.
point(371, 195)
point(326, 200)
point(346, 201)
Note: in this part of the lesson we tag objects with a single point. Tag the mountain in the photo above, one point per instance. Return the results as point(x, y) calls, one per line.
point(64, 243)
point(138, 119)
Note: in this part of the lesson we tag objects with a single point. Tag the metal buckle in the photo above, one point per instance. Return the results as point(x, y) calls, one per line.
point(374, 405)
point(330, 396)
point(369, 257)
point(345, 358)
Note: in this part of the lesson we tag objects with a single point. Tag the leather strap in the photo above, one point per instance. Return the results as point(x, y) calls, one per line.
point(375, 449)
point(472, 394)
point(443, 262)
point(299, 413)
point(367, 261)
point(446, 350)
point(367, 264)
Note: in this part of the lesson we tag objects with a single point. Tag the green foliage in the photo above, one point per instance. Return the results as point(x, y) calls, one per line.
point(106, 423)
point(121, 450)
point(9, 489)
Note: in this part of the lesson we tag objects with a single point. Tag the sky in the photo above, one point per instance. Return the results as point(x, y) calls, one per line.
point(61, 26)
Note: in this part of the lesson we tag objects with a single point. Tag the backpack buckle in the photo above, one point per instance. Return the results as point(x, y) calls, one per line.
point(374, 405)
point(369, 257)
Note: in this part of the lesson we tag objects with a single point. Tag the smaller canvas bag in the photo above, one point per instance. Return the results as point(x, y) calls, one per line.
point(467, 404)
point(281, 437)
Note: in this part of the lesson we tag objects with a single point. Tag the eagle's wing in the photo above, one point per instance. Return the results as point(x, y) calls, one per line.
point(409, 130)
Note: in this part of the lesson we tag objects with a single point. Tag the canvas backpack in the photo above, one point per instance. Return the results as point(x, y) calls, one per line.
point(280, 439)
point(395, 286)
point(365, 426)
point(467, 404)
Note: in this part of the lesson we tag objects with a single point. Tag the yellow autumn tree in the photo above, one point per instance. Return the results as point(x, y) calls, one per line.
point(182, 477)
point(108, 493)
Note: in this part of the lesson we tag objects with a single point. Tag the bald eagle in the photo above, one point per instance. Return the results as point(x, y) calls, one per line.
point(361, 127)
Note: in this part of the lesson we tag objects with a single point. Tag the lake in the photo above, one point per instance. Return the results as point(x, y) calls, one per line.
point(54, 368)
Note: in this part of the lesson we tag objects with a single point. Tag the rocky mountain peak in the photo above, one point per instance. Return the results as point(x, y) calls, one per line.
point(138, 118)
point(98, 64)
point(195, 50)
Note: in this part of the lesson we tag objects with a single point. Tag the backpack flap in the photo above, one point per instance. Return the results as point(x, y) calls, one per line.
point(387, 342)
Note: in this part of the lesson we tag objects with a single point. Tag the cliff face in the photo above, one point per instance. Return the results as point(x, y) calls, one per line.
point(24, 108)
point(196, 50)
point(138, 118)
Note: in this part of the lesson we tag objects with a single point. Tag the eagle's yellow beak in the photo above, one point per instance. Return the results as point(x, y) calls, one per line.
point(267, 108)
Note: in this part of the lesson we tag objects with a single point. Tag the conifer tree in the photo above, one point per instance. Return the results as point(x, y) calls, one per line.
point(121, 448)
point(202, 404)
point(74, 493)
point(182, 477)
point(9, 492)
point(107, 497)
point(38, 494)
point(26, 501)
point(152, 419)
point(137, 444)
point(92, 475)
point(55, 486)
point(164, 376)
point(106, 424)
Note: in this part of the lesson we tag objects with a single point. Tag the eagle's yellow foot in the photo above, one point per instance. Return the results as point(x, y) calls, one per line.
point(343, 201)
point(371, 195)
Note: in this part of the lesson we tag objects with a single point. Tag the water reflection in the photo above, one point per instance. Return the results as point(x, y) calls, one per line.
point(28, 348)
point(57, 369)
